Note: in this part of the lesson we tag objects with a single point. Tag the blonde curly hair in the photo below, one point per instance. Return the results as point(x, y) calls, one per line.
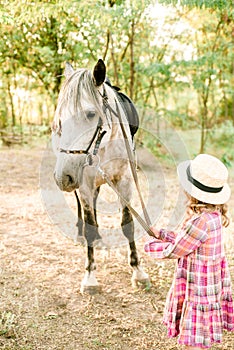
point(194, 206)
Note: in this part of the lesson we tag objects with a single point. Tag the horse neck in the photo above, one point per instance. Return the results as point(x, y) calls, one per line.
point(117, 132)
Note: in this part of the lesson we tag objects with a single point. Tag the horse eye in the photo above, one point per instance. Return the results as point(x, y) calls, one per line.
point(90, 114)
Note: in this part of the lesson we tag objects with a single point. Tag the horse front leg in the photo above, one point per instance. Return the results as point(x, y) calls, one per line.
point(98, 239)
point(79, 237)
point(80, 222)
point(138, 276)
point(89, 283)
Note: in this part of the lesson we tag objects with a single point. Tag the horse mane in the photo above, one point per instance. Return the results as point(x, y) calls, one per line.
point(72, 92)
point(81, 86)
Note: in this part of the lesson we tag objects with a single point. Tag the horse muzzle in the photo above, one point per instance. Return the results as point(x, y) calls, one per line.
point(69, 175)
point(65, 182)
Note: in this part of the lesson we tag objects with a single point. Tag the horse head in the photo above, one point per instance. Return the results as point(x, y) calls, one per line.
point(79, 119)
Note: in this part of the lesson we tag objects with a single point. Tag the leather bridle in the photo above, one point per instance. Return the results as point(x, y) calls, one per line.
point(98, 134)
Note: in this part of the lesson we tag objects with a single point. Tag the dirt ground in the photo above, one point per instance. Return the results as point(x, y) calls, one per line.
point(41, 270)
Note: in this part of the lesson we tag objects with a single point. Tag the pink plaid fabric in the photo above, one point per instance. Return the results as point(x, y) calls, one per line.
point(199, 304)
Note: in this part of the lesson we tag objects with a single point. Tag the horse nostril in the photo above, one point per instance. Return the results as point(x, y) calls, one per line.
point(65, 182)
point(69, 180)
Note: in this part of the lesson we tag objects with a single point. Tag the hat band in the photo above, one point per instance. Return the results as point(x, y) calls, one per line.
point(200, 186)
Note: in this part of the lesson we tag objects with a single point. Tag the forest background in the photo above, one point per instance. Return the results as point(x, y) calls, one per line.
point(173, 58)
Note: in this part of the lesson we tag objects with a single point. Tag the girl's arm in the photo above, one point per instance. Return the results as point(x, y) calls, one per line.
point(188, 240)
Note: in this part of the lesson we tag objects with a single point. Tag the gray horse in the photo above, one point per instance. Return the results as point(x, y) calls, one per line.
point(87, 137)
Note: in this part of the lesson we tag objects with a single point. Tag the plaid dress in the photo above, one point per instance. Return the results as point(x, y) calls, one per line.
point(199, 304)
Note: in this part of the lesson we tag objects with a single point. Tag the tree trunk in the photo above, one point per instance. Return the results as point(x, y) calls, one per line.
point(132, 70)
point(13, 116)
point(204, 114)
point(202, 139)
point(115, 65)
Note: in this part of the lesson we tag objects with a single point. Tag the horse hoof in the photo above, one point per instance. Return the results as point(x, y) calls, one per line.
point(99, 244)
point(140, 277)
point(91, 290)
point(144, 283)
point(89, 284)
point(80, 240)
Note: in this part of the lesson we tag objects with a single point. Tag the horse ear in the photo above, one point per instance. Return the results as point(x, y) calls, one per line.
point(69, 70)
point(99, 72)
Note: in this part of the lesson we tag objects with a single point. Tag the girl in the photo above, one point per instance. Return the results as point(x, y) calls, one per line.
point(199, 304)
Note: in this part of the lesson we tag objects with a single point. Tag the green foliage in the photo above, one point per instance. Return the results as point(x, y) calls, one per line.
point(223, 137)
point(156, 147)
point(175, 59)
point(213, 4)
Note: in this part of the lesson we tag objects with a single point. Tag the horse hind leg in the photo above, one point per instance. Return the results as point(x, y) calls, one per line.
point(139, 275)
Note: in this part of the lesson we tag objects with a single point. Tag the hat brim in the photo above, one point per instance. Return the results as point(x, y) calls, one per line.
point(206, 197)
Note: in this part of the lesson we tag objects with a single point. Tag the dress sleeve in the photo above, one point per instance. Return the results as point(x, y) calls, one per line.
point(188, 240)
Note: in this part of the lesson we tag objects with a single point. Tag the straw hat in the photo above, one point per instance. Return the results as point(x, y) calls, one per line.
point(205, 178)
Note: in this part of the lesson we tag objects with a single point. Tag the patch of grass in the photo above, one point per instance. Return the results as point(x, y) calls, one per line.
point(219, 143)
point(7, 324)
point(98, 344)
point(223, 138)
point(156, 147)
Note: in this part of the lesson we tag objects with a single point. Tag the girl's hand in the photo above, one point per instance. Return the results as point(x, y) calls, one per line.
point(155, 231)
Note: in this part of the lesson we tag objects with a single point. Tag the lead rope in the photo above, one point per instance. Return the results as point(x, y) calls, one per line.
point(134, 173)
point(146, 225)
